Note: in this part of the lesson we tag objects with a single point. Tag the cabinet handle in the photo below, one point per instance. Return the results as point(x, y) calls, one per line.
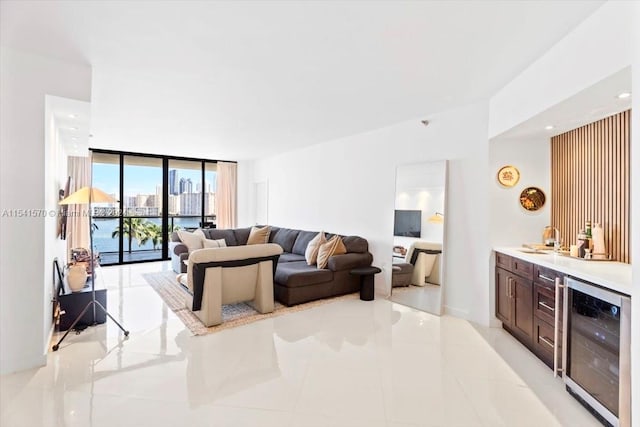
point(549, 343)
point(549, 279)
point(556, 328)
point(547, 306)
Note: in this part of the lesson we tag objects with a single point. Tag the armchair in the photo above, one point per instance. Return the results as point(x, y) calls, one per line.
point(230, 275)
point(423, 262)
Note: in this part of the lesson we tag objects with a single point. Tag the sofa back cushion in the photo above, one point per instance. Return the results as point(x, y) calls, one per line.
point(286, 237)
point(220, 233)
point(242, 235)
point(274, 231)
point(304, 237)
point(355, 244)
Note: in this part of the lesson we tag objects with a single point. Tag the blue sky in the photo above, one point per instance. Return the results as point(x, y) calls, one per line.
point(139, 179)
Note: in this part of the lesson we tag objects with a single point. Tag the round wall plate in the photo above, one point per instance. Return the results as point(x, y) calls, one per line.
point(532, 198)
point(508, 176)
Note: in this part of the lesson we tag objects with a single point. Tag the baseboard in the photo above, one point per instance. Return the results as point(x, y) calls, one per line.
point(456, 312)
point(495, 323)
point(22, 364)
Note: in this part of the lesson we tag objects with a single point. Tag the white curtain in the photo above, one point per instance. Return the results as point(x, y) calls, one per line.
point(79, 169)
point(226, 195)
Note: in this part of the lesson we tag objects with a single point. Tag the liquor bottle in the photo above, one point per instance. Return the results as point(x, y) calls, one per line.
point(582, 243)
point(588, 236)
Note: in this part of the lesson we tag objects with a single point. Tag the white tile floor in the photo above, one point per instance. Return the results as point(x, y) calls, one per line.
point(349, 363)
point(424, 298)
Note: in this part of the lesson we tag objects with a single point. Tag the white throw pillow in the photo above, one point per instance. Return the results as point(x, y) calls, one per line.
point(200, 233)
point(193, 241)
point(311, 253)
point(220, 243)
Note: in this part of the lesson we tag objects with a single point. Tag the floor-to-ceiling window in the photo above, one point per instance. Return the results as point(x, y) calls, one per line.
point(185, 193)
point(106, 216)
point(157, 195)
point(142, 195)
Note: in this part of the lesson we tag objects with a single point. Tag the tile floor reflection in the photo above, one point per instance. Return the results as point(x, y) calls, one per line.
point(349, 363)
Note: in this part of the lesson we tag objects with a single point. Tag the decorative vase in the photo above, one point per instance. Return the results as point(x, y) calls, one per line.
point(77, 277)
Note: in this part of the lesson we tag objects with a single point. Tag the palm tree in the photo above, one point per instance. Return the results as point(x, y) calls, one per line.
point(153, 232)
point(133, 228)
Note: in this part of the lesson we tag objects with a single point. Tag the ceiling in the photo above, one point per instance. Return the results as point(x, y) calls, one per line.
point(72, 120)
point(240, 80)
point(587, 106)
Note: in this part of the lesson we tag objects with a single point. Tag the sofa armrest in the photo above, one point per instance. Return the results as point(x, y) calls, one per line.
point(350, 261)
point(177, 248)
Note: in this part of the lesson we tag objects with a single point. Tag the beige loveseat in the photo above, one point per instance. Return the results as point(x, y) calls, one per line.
point(230, 275)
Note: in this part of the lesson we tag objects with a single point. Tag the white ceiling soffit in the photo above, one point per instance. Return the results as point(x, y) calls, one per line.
point(237, 80)
point(590, 105)
point(72, 118)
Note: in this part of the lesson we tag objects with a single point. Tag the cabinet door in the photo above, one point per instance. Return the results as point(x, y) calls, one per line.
point(503, 296)
point(522, 308)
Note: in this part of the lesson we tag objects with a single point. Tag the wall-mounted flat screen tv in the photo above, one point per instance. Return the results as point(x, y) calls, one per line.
point(407, 223)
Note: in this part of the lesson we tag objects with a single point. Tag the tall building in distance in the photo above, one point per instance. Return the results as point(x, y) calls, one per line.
point(207, 187)
point(174, 186)
point(186, 186)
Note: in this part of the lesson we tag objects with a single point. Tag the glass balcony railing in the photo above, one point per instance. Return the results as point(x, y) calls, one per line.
point(142, 236)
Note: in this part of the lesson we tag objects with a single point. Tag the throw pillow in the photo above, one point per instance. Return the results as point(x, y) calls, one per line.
point(200, 233)
point(311, 253)
point(258, 236)
point(334, 246)
point(220, 243)
point(193, 241)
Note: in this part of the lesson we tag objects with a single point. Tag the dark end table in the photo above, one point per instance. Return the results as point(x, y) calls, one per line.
point(366, 281)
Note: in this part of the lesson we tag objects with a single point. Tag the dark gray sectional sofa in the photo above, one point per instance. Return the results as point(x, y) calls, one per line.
point(295, 282)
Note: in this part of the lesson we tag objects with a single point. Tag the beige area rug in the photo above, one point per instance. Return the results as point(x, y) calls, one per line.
point(173, 293)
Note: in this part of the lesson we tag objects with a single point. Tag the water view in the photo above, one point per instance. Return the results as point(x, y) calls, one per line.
point(103, 242)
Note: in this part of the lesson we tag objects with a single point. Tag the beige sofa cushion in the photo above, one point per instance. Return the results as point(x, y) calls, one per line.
point(193, 241)
point(334, 246)
point(311, 253)
point(220, 243)
point(259, 236)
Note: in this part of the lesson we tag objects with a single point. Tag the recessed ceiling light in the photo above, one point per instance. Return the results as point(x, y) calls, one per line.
point(73, 128)
point(549, 127)
point(624, 95)
point(74, 139)
point(72, 116)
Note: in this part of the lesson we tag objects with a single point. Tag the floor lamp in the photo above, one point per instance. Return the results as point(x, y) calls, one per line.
point(86, 196)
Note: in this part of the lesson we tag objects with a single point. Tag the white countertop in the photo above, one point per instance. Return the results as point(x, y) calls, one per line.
point(609, 274)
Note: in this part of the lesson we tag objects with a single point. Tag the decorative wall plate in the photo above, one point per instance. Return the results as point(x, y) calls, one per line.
point(532, 198)
point(508, 176)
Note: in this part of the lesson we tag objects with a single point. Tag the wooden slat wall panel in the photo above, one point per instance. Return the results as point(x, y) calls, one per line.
point(590, 180)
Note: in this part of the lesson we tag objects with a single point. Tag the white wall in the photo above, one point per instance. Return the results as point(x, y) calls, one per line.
point(600, 46)
point(510, 224)
point(347, 186)
point(25, 272)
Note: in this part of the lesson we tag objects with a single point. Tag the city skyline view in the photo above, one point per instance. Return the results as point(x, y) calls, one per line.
point(142, 180)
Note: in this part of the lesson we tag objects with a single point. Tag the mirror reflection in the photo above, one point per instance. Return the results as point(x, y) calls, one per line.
point(418, 239)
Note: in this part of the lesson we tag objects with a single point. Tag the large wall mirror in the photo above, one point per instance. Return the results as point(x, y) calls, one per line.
point(418, 241)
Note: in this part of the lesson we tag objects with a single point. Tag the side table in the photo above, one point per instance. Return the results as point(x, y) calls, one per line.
point(72, 303)
point(366, 281)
